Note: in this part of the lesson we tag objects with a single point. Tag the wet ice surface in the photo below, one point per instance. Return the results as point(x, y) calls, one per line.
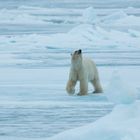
point(35, 105)
point(47, 120)
point(34, 64)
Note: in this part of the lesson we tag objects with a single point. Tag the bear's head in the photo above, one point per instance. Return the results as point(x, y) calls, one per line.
point(76, 58)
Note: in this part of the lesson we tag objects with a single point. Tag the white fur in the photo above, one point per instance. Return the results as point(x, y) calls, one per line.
point(84, 70)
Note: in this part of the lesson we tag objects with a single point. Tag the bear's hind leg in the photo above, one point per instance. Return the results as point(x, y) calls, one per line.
point(70, 86)
point(97, 86)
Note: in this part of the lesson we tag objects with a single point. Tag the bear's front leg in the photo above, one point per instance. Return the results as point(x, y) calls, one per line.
point(83, 87)
point(71, 86)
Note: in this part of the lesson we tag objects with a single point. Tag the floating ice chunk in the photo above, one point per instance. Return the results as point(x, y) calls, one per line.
point(89, 16)
point(120, 18)
point(129, 20)
point(19, 17)
point(134, 33)
point(114, 17)
point(119, 92)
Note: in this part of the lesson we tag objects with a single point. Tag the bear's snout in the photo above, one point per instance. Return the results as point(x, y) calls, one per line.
point(79, 51)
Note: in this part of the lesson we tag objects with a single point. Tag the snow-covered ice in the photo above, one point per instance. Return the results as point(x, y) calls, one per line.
point(122, 93)
point(121, 124)
point(29, 101)
point(36, 40)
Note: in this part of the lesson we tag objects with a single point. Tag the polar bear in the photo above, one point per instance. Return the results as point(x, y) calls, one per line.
point(84, 70)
